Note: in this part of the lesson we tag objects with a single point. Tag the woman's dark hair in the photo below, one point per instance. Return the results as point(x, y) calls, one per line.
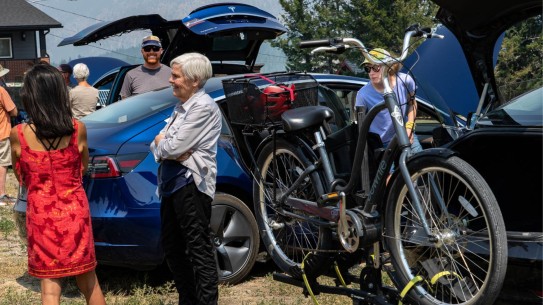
point(46, 100)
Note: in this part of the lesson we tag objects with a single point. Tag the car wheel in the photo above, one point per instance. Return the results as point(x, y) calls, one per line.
point(236, 238)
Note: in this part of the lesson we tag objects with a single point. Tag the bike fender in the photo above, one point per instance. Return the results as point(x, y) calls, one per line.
point(440, 152)
point(303, 144)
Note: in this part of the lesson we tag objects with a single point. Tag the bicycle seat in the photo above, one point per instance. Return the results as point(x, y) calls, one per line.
point(304, 117)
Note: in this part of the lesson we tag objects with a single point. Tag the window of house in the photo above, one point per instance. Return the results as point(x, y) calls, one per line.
point(5, 47)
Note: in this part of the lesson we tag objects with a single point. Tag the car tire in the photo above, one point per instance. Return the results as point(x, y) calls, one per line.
point(236, 238)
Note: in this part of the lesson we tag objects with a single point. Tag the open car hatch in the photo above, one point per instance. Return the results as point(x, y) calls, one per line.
point(224, 32)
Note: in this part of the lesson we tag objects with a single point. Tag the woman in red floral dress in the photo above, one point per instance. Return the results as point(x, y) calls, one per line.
point(50, 155)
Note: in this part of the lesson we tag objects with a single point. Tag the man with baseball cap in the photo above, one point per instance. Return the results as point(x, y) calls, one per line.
point(66, 71)
point(151, 75)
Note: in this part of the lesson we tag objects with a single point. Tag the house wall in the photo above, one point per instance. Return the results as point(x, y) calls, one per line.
point(22, 49)
point(24, 54)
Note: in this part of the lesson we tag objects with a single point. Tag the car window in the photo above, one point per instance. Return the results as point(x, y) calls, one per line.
point(140, 106)
point(519, 69)
point(524, 110)
point(348, 99)
point(346, 94)
point(328, 98)
point(104, 86)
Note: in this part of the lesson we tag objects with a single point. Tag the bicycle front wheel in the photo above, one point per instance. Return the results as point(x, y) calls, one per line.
point(290, 236)
point(464, 262)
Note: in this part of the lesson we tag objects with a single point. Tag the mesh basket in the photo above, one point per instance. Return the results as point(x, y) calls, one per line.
point(261, 99)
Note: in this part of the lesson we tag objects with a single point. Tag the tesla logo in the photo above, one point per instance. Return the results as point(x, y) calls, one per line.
point(232, 8)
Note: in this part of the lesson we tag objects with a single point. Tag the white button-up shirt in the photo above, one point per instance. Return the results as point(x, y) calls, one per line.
point(194, 125)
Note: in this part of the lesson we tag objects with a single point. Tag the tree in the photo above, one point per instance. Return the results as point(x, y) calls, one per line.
point(307, 20)
point(519, 67)
point(378, 23)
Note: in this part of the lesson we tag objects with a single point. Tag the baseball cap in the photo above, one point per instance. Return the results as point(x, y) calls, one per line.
point(150, 41)
point(3, 71)
point(65, 68)
point(379, 54)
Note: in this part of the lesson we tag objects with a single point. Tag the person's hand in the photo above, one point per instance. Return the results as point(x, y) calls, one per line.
point(158, 137)
point(184, 156)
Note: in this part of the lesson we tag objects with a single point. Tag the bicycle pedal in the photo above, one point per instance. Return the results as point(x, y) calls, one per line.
point(327, 199)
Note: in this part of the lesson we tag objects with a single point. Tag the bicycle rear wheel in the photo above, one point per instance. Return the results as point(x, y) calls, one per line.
point(466, 262)
point(289, 235)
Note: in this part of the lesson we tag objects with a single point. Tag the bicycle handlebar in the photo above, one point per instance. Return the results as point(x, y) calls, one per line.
point(318, 43)
point(341, 44)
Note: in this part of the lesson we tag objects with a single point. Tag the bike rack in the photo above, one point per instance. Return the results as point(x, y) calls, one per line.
point(357, 295)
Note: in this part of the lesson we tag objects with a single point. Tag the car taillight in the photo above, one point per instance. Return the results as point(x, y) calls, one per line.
point(104, 167)
point(128, 162)
point(114, 166)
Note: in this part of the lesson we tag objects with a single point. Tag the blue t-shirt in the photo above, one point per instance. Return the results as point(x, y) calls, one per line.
point(369, 97)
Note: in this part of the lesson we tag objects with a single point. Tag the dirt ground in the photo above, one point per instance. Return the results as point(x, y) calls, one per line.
point(123, 286)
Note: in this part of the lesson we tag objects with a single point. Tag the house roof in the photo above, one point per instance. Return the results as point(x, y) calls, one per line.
point(347, 64)
point(21, 15)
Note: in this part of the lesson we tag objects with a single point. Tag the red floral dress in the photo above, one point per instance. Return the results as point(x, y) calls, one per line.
point(58, 223)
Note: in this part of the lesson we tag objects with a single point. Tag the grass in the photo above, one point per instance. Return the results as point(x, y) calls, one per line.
point(129, 287)
point(7, 225)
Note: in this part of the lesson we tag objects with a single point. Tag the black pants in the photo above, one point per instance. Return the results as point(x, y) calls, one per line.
point(188, 247)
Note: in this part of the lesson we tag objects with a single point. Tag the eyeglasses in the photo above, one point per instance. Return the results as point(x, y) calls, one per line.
point(149, 48)
point(375, 68)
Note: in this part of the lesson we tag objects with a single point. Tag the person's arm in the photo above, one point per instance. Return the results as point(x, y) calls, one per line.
point(195, 126)
point(13, 112)
point(15, 152)
point(411, 106)
point(83, 146)
point(411, 116)
point(8, 104)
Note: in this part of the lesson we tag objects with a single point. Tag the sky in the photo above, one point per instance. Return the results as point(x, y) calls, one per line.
point(76, 15)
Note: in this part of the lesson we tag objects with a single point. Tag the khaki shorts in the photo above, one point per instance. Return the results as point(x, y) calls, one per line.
point(5, 153)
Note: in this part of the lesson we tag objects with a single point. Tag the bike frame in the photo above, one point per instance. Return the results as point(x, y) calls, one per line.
point(400, 142)
point(376, 194)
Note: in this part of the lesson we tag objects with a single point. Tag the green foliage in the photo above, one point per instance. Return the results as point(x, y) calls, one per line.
point(306, 20)
point(378, 23)
point(519, 67)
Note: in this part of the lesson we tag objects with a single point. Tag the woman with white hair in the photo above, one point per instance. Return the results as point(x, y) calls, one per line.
point(83, 97)
point(186, 149)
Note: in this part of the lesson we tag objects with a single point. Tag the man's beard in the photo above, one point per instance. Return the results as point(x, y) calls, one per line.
point(152, 60)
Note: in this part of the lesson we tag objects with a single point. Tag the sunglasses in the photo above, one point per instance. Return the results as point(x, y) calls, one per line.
point(375, 68)
point(149, 48)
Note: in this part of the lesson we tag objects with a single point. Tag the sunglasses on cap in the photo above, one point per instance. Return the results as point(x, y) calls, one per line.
point(375, 68)
point(149, 48)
